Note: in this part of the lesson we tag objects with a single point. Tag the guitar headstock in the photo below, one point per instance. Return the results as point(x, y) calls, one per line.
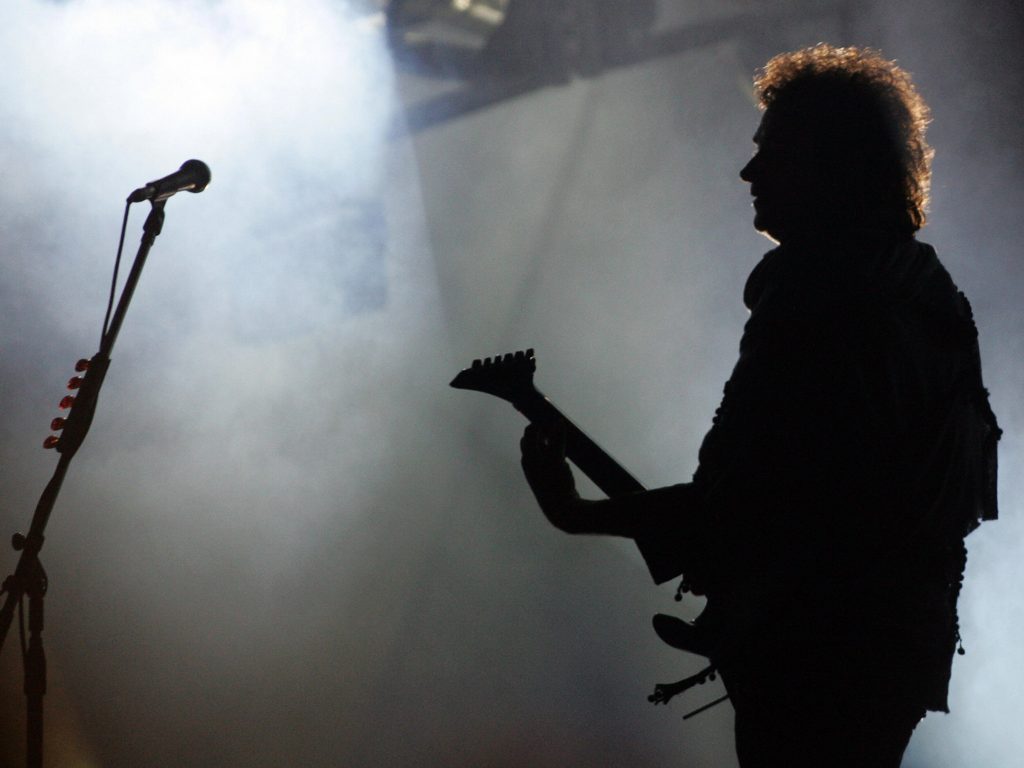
point(508, 376)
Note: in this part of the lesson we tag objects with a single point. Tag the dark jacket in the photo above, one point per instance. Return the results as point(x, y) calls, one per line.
point(853, 451)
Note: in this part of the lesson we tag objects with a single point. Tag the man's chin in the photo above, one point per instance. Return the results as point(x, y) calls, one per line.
point(764, 225)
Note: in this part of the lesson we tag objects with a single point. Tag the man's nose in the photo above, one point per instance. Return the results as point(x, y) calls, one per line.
point(747, 171)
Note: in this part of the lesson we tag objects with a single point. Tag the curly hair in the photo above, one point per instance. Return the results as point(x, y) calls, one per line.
point(869, 111)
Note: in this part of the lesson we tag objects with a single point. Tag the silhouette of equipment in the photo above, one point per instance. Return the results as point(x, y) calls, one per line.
point(684, 635)
point(29, 578)
point(510, 378)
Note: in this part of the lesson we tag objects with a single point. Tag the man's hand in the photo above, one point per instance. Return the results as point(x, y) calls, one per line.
point(549, 476)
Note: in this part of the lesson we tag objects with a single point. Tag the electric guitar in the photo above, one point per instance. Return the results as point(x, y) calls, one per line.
point(510, 377)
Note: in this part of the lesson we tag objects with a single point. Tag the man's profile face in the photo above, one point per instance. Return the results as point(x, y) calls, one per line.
point(789, 188)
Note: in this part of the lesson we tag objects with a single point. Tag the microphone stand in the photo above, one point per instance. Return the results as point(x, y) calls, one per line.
point(29, 578)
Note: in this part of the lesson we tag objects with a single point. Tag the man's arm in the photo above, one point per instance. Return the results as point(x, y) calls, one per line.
point(637, 515)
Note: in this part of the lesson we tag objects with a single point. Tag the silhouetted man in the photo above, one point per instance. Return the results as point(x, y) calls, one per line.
point(854, 448)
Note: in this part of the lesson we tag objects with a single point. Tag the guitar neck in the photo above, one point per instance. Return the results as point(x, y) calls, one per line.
point(510, 377)
point(606, 473)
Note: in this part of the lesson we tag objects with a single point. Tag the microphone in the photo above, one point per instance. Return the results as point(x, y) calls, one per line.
point(193, 176)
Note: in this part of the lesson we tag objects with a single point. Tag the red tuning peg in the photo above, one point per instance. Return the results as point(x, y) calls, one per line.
point(51, 442)
point(74, 382)
point(82, 365)
point(67, 401)
point(57, 424)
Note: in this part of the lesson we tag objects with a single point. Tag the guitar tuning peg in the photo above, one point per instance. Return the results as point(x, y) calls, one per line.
point(51, 442)
point(57, 424)
point(529, 352)
point(74, 382)
point(82, 365)
point(520, 354)
point(487, 361)
point(477, 363)
point(67, 401)
point(508, 357)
